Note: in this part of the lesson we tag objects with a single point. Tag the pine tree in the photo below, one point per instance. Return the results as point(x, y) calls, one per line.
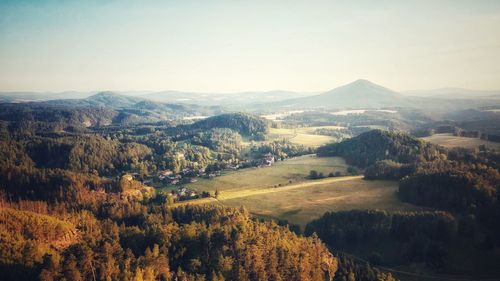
point(138, 275)
point(70, 269)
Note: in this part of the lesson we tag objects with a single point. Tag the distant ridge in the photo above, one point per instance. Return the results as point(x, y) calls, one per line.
point(451, 93)
point(238, 98)
point(101, 99)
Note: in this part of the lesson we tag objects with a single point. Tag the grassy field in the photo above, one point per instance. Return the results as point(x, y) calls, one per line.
point(449, 140)
point(304, 136)
point(282, 172)
point(300, 200)
point(301, 205)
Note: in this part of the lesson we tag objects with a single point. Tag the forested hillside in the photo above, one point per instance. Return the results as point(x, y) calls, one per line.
point(419, 236)
point(461, 181)
point(138, 241)
point(244, 124)
point(370, 147)
point(101, 110)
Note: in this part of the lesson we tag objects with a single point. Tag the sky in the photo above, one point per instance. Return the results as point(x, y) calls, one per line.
point(230, 46)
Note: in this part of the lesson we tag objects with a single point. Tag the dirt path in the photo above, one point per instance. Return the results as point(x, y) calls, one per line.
point(232, 194)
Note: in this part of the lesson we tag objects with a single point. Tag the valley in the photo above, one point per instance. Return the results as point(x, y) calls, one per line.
point(250, 140)
point(112, 177)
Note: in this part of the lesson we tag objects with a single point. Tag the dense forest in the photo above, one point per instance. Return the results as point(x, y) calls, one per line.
point(370, 147)
point(127, 240)
point(419, 236)
point(244, 124)
point(463, 182)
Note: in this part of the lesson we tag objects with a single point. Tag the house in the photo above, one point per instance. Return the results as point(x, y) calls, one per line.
point(268, 159)
point(163, 174)
point(232, 167)
point(127, 177)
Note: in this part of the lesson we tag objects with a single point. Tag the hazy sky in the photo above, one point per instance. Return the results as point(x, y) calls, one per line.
point(248, 45)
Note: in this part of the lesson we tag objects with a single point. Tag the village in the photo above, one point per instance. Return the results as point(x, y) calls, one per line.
point(167, 178)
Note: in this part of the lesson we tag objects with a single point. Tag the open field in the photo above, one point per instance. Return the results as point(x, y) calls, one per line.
point(233, 194)
point(298, 199)
point(449, 140)
point(303, 204)
point(304, 136)
point(282, 172)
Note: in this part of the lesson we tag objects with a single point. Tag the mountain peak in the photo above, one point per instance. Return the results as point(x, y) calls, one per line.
point(357, 94)
point(362, 82)
point(363, 88)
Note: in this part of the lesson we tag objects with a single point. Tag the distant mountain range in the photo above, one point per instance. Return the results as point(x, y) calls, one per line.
point(358, 94)
point(103, 99)
point(223, 99)
point(177, 97)
point(41, 96)
point(454, 93)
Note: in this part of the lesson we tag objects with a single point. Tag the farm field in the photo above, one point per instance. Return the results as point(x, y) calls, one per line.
point(282, 172)
point(304, 136)
point(449, 140)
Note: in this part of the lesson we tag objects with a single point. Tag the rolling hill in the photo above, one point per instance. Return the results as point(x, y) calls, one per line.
point(244, 124)
point(102, 99)
point(375, 145)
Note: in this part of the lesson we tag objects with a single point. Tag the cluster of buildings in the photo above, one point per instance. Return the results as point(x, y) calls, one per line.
point(169, 177)
point(190, 174)
point(183, 193)
point(187, 175)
